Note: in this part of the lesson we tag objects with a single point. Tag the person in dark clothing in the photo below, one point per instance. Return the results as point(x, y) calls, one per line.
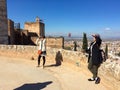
point(95, 58)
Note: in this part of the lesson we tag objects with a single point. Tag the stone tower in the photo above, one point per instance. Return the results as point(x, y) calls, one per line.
point(37, 27)
point(3, 22)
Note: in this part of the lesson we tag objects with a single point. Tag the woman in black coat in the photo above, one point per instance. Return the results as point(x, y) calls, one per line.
point(95, 58)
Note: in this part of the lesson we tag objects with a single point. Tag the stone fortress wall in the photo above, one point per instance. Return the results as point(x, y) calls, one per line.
point(37, 27)
point(109, 70)
point(30, 33)
point(3, 22)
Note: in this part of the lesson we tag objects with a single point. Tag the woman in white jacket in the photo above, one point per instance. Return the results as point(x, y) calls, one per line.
point(41, 42)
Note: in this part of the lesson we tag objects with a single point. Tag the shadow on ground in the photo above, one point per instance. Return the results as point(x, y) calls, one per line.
point(58, 60)
point(52, 65)
point(34, 86)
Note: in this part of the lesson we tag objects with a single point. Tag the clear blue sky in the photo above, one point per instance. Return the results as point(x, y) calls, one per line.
point(69, 16)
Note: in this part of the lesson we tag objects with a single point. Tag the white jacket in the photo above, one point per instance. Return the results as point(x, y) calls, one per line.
point(41, 44)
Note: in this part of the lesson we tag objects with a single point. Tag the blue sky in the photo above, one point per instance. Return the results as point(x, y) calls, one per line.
point(69, 16)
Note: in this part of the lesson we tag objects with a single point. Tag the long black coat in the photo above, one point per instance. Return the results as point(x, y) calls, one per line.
point(95, 54)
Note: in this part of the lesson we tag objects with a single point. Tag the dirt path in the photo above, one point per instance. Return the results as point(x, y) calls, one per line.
point(74, 80)
point(20, 74)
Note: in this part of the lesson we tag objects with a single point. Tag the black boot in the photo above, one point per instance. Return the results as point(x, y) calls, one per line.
point(97, 80)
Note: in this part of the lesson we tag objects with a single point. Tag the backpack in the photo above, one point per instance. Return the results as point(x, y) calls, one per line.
point(103, 56)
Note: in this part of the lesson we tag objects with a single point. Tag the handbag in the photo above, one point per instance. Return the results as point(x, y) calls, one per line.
point(39, 52)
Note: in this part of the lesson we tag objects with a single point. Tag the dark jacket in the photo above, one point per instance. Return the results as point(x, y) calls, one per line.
point(95, 54)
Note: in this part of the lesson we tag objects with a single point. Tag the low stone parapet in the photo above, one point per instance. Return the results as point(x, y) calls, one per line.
point(28, 52)
point(109, 70)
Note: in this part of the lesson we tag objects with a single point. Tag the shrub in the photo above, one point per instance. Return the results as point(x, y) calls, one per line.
point(85, 42)
point(67, 48)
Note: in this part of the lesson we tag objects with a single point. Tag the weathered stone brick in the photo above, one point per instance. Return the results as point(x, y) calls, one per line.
point(3, 23)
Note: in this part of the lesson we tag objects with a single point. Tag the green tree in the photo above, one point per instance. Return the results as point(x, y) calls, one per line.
point(75, 45)
point(85, 42)
point(106, 51)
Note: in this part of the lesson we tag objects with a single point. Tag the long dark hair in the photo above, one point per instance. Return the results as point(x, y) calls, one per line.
point(98, 41)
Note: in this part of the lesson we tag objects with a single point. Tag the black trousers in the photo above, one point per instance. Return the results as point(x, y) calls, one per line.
point(44, 60)
point(93, 68)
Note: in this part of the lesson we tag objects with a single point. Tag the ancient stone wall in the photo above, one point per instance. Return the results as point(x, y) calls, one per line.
point(42, 29)
point(35, 27)
point(3, 23)
point(31, 51)
point(109, 70)
point(32, 27)
point(56, 42)
point(24, 37)
point(11, 32)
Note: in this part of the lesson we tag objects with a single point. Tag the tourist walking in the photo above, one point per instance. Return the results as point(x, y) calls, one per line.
point(95, 58)
point(41, 42)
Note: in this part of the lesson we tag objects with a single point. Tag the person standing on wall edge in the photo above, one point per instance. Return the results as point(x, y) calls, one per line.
point(41, 42)
point(95, 58)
